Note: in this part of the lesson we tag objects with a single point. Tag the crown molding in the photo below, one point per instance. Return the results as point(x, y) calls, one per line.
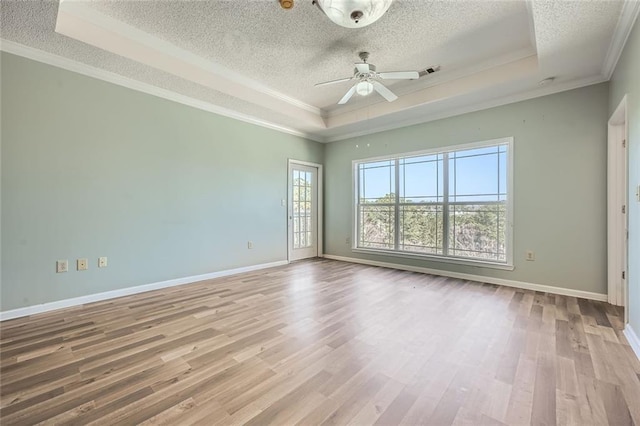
point(504, 100)
point(110, 77)
point(108, 23)
point(437, 79)
point(521, 70)
point(81, 22)
point(628, 16)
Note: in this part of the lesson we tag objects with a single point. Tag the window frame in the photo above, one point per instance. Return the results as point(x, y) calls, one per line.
point(507, 265)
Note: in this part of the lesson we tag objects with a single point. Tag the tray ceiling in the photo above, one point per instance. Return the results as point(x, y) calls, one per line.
point(256, 61)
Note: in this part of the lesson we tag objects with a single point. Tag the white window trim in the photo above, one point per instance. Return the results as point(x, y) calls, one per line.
point(508, 265)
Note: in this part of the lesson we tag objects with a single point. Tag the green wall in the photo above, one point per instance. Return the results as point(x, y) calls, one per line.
point(559, 184)
point(626, 80)
point(163, 190)
point(166, 191)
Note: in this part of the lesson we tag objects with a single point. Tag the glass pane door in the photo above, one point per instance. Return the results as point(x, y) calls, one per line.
point(303, 214)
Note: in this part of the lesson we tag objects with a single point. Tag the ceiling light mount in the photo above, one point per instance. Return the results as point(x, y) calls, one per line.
point(286, 4)
point(353, 13)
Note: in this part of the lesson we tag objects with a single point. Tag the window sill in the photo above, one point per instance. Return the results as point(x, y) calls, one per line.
point(454, 260)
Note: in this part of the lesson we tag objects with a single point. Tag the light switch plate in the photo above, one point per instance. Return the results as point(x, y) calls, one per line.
point(102, 262)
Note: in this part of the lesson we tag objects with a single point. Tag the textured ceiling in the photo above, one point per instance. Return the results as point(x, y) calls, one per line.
point(489, 52)
point(290, 50)
point(32, 23)
point(562, 41)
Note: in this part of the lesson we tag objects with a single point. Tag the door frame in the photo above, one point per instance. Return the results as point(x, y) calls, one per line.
point(320, 230)
point(617, 197)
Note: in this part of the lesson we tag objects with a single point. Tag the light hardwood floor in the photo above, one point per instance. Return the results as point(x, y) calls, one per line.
point(323, 342)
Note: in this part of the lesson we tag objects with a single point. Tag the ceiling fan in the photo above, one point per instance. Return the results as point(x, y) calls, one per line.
point(368, 80)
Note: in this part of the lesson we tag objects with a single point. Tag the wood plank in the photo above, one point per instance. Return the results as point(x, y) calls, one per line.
point(521, 398)
point(614, 404)
point(322, 341)
point(544, 393)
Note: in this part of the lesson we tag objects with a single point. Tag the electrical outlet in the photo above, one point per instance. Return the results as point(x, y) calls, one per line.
point(102, 262)
point(249, 244)
point(283, 202)
point(82, 264)
point(62, 266)
point(530, 255)
point(347, 241)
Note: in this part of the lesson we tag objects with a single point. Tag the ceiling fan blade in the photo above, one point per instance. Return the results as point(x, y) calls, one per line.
point(363, 68)
point(384, 92)
point(334, 81)
point(348, 96)
point(399, 75)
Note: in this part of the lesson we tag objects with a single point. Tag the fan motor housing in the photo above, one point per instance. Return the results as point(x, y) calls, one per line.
point(372, 68)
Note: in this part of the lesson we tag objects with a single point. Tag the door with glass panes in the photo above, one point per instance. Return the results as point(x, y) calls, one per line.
point(303, 211)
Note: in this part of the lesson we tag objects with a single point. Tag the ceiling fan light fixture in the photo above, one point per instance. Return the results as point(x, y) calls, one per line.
point(353, 13)
point(364, 88)
point(368, 80)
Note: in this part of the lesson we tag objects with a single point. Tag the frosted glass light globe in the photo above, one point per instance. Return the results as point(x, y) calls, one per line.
point(354, 13)
point(364, 88)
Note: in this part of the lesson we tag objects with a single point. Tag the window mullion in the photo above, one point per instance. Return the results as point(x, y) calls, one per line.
point(396, 231)
point(498, 209)
point(445, 204)
point(361, 185)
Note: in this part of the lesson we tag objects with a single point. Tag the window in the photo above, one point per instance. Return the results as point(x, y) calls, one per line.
point(302, 189)
point(452, 204)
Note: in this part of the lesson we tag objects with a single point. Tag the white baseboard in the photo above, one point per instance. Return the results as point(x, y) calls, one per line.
point(479, 278)
point(76, 301)
point(633, 339)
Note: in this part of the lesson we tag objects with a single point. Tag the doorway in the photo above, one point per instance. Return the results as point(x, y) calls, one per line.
point(617, 205)
point(304, 213)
